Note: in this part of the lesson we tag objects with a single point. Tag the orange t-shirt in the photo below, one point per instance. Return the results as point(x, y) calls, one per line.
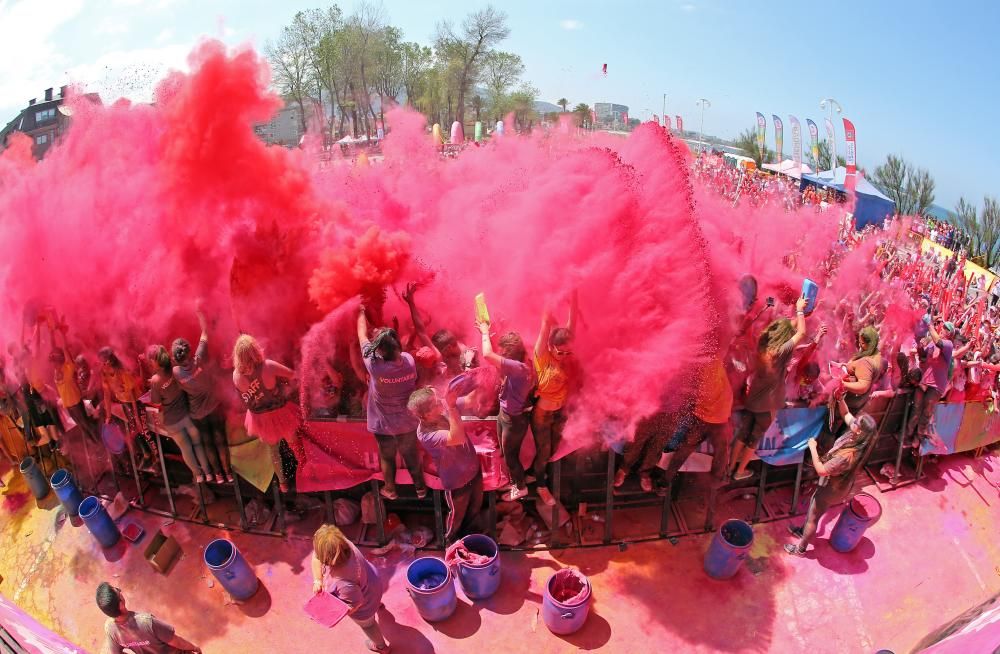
point(65, 378)
point(715, 396)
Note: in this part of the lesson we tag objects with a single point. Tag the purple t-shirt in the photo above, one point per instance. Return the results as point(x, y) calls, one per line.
point(358, 587)
point(390, 384)
point(518, 379)
point(456, 465)
point(936, 367)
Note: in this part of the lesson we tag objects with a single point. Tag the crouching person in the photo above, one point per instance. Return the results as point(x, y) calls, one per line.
point(442, 433)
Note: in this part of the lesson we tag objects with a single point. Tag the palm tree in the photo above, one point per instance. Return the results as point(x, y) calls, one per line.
point(562, 102)
point(582, 112)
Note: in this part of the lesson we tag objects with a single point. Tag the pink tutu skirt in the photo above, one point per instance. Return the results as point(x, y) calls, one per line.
point(272, 426)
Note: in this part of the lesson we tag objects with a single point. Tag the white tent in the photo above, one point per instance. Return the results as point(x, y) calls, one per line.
point(788, 167)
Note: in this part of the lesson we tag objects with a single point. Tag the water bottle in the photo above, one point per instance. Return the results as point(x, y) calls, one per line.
point(810, 290)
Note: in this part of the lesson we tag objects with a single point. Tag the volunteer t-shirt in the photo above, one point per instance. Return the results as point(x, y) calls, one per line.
point(141, 633)
point(456, 465)
point(65, 378)
point(517, 383)
point(390, 384)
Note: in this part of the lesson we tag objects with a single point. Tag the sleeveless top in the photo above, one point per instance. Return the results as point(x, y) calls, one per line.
point(258, 398)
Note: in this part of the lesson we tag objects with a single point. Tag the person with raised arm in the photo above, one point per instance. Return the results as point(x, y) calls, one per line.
point(515, 401)
point(197, 376)
point(442, 434)
point(64, 377)
point(557, 377)
point(392, 377)
point(766, 392)
point(165, 391)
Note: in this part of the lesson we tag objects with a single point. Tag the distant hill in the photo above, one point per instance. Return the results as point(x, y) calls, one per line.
point(546, 107)
point(940, 213)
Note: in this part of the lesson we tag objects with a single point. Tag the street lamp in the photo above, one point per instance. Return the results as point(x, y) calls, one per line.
point(834, 106)
point(704, 104)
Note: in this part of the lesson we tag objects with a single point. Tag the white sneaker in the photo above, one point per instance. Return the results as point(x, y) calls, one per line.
point(515, 493)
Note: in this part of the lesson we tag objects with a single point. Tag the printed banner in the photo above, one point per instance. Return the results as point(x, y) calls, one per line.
point(680, 125)
point(625, 118)
point(814, 142)
point(32, 637)
point(851, 155)
point(656, 119)
point(796, 142)
point(832, 143)
point(761, 129)
point(962, 427)
point(342, 455)
point(779, 141)
point(666, 122)
point(785, 441)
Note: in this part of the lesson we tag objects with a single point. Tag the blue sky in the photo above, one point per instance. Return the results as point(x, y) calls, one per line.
point(919, 79)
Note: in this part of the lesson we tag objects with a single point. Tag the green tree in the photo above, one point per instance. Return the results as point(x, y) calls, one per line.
point(824, 157)
point(468, 46)
point(562, 102)
point(746, 143)
point(981, 229)
point(911, 188)
point(388, 67)
point(416, 64)
point(501, 71)
point(523, 105)
point(289, 55)
point(582, 114)
point(477, 105)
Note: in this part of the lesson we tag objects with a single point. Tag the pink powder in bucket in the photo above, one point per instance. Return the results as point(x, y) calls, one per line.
point(866, 507)
point(569, 587)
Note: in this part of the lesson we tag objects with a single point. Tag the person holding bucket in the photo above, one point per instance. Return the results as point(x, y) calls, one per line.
point(836, 470)
point(444, 438)
point(339, 568)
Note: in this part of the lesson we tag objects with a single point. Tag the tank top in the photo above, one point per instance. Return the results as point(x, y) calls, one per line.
point(258, 398)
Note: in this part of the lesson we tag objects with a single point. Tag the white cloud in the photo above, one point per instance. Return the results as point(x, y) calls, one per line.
point(164, 36)
point(26, 30)
point(110, 26)
point(571, 24)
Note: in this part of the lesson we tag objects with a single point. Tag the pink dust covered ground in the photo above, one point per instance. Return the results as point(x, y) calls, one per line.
point(931, 556)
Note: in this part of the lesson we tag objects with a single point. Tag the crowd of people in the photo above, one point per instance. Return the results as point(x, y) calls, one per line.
point(413, 388)
point(758, 187)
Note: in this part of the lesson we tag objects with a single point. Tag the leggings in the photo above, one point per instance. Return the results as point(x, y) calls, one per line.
point(821, 501)
point(188, 439)
point(86, 423)
point(547, 427)
point(407, 445)
point(213, 434)
point(718, 434)
point(512, 432)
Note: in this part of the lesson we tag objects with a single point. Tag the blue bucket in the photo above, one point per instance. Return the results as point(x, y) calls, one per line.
point(66, 490)
point(432, 588)
point(728, 549)
point(231, 569)
point(480, 581)
point(860, 513)
point(35, 477)
point(100, 524)
point(564, 618)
